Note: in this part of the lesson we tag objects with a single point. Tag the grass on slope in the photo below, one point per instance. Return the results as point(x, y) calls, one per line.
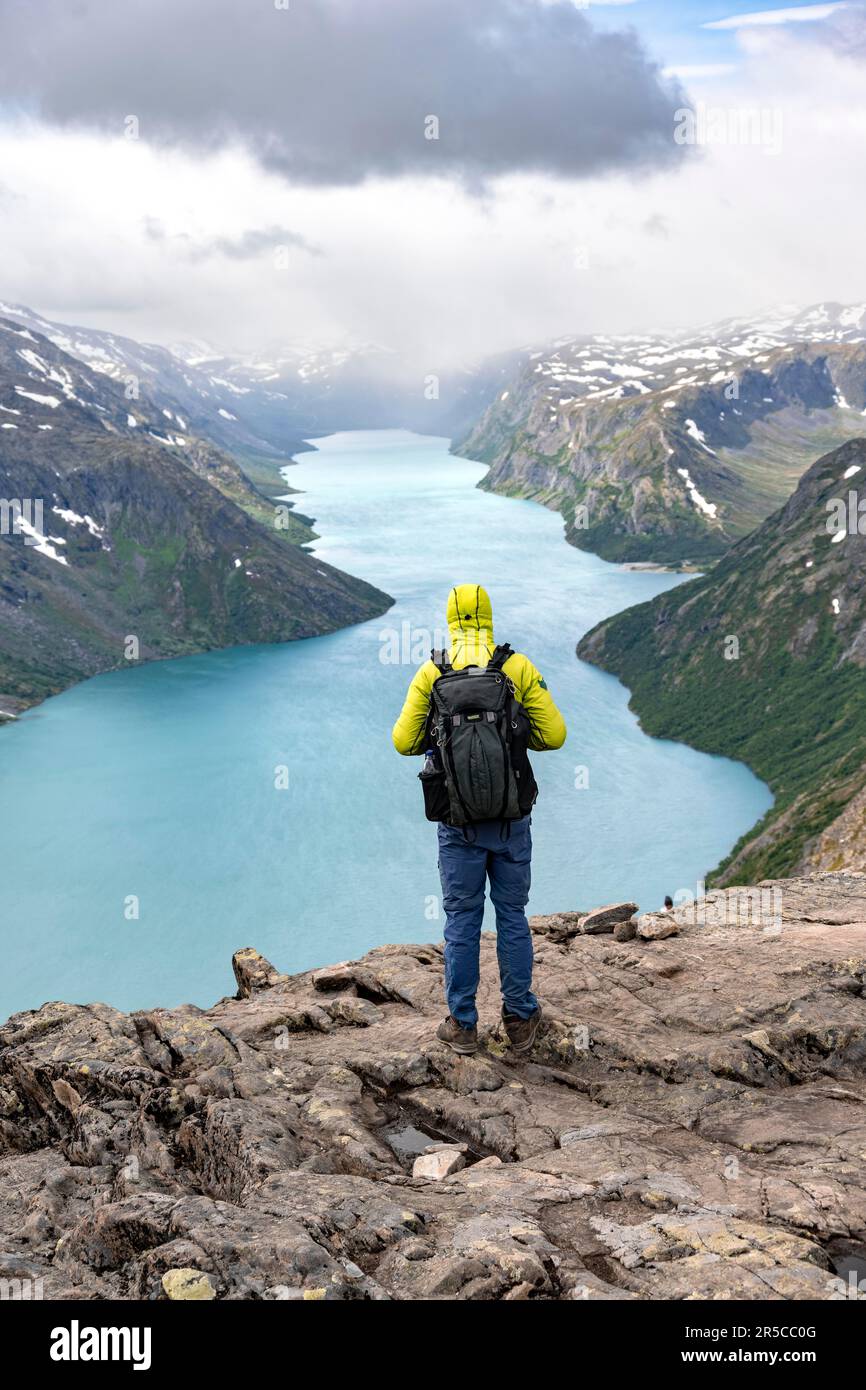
point(798, 721)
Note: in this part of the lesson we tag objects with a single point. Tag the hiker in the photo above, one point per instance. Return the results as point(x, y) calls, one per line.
point(474, 710)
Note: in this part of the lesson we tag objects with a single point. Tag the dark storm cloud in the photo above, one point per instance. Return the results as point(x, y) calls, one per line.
point(331, 91)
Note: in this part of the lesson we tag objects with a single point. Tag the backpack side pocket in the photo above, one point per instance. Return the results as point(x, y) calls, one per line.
point(436, 800)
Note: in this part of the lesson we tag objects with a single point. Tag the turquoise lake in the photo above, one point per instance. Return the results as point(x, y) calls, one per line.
point(159, 782)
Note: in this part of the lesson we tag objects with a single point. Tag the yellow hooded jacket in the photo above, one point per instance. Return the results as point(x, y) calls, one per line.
point(470, 627)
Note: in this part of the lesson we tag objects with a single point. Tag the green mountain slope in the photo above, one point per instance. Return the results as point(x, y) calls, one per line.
point(763, 660)
point(113, 525)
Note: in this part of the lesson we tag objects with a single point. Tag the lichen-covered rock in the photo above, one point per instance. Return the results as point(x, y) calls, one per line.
point(253, 972)
point(692, 1124)
point(559, 926)
point(188, 1284)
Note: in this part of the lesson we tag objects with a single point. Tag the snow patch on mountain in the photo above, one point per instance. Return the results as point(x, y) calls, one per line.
point(43, 545)
point(708, 508)
point(51, 401)
point(698, 434)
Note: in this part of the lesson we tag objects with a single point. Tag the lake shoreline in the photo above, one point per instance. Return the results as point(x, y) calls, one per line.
point(155, 809)
point(634, 705)
point(12, 708)
point(11, 716)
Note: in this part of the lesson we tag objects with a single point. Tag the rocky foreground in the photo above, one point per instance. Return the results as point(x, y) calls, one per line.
point(693, 1124)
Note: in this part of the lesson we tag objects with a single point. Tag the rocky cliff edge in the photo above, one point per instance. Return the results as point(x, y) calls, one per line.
point(692, 1125)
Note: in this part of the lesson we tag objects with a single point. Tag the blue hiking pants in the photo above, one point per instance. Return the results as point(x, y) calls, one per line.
point(504, 857)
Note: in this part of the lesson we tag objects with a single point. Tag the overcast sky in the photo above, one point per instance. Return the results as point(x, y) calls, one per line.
point(247, 174)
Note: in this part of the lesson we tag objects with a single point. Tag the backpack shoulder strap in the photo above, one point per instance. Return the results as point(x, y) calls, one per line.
point(439, 657)
point(500, 656)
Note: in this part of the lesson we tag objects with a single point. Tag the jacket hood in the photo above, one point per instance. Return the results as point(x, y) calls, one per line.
point(469, 612)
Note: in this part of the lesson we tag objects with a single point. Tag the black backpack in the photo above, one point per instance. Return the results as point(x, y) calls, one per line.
point(477, 766)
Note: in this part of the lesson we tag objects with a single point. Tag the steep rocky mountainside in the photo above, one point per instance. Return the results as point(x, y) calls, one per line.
point(308, 392)
point(789, 697)
point(131, 397)
point(263, 407)
point(691, 1125)
point(671, 448)
point(186, 396)
point(145, 530)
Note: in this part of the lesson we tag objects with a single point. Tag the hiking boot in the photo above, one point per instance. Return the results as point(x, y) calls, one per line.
point(522, 1032)
point(459, 1039)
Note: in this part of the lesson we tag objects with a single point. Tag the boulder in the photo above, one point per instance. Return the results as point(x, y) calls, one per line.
point(189, 1285)
point(439, 1162)
point(254, 972)
point(604, 919)
point(559, 926)
point(657, 926)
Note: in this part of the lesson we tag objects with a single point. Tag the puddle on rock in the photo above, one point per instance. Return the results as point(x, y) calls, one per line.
point(851, 1268)
point(408, 1141)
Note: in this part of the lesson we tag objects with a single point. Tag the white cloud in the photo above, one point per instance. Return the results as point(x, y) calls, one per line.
point(793, 15)
point(690, 72)
point(426, 268)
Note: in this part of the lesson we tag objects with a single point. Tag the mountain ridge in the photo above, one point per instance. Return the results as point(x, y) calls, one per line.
point(670, 448)
point(762, 659)
point(264, 407)
point(117, 525)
